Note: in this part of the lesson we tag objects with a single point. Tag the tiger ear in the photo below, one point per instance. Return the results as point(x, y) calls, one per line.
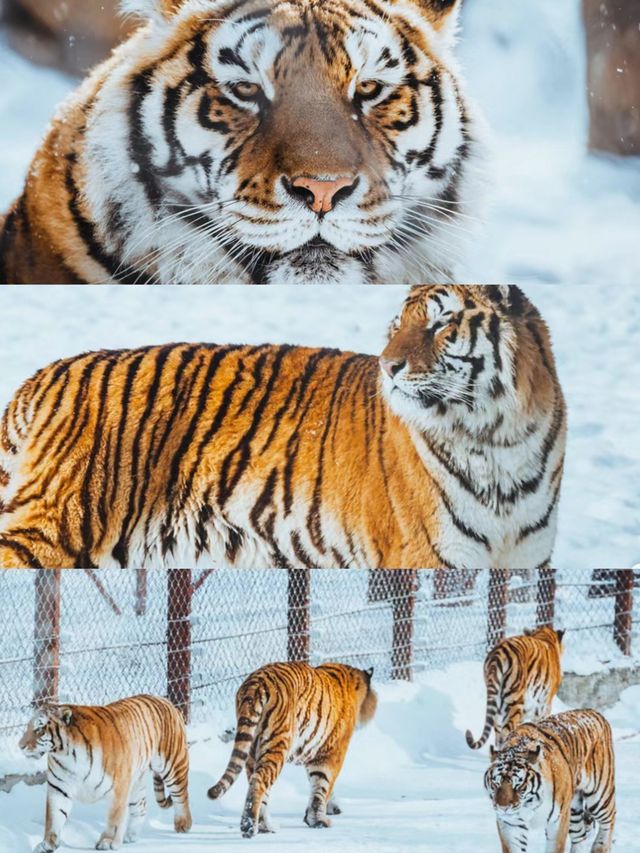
point(61, 714)
point(368, 673)
point(560, 635)
point(442, 15)
point(151, 10)
point(534, 754)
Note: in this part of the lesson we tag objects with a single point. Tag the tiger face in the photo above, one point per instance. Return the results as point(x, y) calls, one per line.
point(287, 141)
point(513, 780)
point(44, 731)
point(452, 351)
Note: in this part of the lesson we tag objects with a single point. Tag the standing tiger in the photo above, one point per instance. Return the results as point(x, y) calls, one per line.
point(559, 770)
point(102, 752)
point(445, 452)
point(522, 675)
point(258, 141)
point(302, 714)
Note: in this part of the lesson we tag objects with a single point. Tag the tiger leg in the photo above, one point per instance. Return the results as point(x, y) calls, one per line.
point(514, 838)
point(603, 811)
point(58, 810)
point(264, 818)
point(137, 810)
point(268, 767)
point(580, 823)
point(176, 779)
point(162, 798)
point(322, 775)
point(557, 830)
point(113, 836)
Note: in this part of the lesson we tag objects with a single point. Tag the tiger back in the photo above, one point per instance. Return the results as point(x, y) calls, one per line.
point(98, 752)
point(561, 769)
point(258, 141)
point(447, 451)
point(522, 676)
point(295, 712)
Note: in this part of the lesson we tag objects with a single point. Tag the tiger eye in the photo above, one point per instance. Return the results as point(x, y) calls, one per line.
point(245, 90)
point(367, 90)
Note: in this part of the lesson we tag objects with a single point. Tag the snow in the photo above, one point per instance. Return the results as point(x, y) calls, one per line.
point(599, 369)
point(409, 783)
point(557, 215)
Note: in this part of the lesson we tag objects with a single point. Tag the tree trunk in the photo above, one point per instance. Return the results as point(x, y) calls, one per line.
point(613, 74)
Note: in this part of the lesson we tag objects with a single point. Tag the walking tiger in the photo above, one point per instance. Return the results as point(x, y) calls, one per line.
point(559, 771)
point(302, 714)
point(522, 675)
point(98, 752)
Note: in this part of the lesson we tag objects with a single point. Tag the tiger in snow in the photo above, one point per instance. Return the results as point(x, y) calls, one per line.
point(522, 676)
point(445, 452)
point(98, 752)
point(302, 714)
point(558, 773)
point(258, 141)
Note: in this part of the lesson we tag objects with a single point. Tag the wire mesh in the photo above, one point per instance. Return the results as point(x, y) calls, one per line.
point(90, 638)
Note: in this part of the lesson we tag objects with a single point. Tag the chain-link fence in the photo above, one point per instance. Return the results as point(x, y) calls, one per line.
point(93, 637)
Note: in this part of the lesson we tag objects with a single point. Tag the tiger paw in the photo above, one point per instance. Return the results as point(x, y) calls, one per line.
point(107, 842)
point(43, 847)
point(247, 827)
point(333, 808)
point(264, 827)
point(317, 821)
point(182, 823)
point(131, 837)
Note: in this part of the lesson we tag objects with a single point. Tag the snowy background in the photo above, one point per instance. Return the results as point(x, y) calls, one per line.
point(409, 783)
point(558, 215)
point(596, 339)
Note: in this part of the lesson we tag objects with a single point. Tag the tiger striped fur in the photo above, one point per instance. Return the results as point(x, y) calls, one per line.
point(258, 141)
point(302, 714)
point(522, 675)
point(445, 452)
point(560, 769)
point(98, 752)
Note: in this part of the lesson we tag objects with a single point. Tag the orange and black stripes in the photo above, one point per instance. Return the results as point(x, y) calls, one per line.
point(566, 760)
point(286, 456)
point(522, 675)
point(94, 752)
point(295, 712)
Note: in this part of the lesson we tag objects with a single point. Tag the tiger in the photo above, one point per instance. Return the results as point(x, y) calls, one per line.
point(559, 770)
point(302, 714)
point(445, 452)
point(259, 142)
point(98, 752)
point(522, 675)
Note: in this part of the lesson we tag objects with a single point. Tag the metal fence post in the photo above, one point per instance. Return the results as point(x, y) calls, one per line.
point(404, 586)
point(546, 597)
point(46, 635)
point(179, 600)
point(623, 618)
point(298, 620)
point(141, 592)
point(497, 605)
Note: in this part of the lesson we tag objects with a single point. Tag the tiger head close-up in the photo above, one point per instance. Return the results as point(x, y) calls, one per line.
point(258, 141)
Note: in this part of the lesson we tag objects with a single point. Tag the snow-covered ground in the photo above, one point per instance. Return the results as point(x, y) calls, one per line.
point(409, 783)
point(557, 214)
point(596, 333)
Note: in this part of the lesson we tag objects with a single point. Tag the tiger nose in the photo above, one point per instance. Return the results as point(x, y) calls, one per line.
point(391, 366)
point(322, 195)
